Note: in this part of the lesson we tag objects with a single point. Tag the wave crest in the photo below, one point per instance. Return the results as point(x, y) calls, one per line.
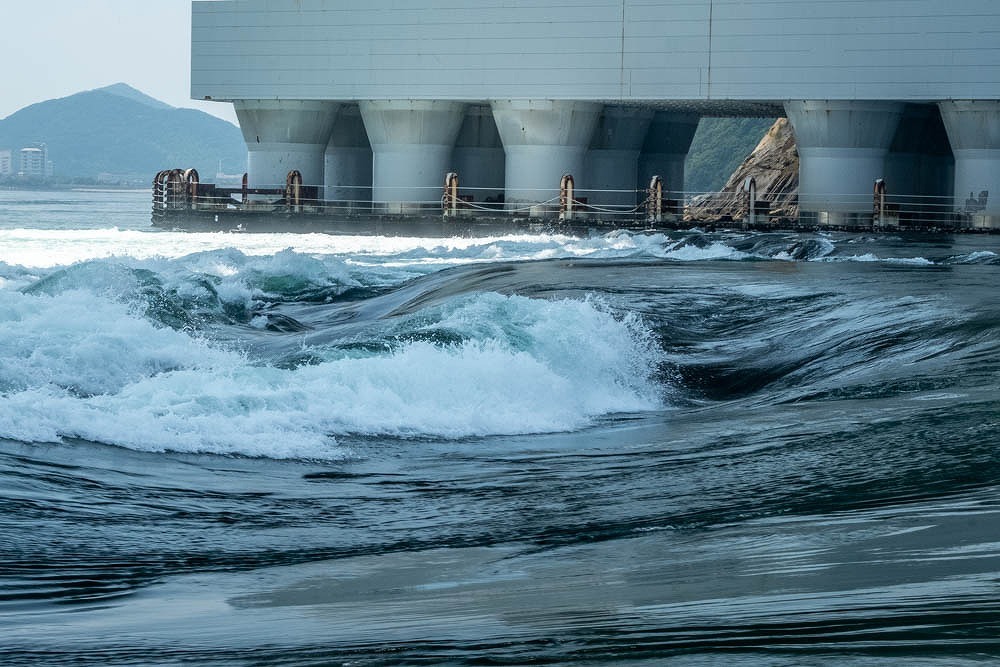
point(516, 365)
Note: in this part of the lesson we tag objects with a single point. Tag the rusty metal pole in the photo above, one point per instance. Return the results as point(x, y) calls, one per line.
point(654, 200)
point(566, 197)
point(293, 191)
point(878, 211)
point(451, 194)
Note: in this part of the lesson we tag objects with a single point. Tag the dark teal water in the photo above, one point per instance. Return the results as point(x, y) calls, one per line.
point(672, 449)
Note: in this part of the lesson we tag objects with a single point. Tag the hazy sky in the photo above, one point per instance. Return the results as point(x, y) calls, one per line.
point(54, 48)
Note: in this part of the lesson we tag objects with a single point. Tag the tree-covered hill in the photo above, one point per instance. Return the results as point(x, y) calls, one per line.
point(719, 146)
point(120, 130)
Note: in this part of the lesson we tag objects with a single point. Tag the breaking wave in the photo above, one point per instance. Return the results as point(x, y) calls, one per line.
point(77, 363)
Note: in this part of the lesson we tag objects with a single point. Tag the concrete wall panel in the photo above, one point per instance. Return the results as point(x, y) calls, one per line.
point(609, 50)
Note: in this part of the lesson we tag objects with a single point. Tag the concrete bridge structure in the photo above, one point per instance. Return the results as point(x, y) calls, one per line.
point(378, 99)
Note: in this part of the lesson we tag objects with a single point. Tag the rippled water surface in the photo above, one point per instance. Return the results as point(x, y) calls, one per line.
point(681, 448)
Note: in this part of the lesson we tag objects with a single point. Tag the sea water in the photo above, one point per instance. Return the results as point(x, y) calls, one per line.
point(307, 449)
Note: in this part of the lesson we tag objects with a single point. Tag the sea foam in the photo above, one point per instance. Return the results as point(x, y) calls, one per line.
point(79, 364)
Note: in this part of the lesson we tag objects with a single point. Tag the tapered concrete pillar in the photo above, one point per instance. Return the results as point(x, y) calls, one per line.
point(478, 157)
point(842, 149)
point(542, 141)
point(282, 135)
point(348, 171)
point(974, 132)
point(665, 149)
point(412, 141)
point(919, 169)
point(612, 169)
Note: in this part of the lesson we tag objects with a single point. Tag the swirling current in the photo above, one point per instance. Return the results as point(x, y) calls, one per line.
point(639, 448)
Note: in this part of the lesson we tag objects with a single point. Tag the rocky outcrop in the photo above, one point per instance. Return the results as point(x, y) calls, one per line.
point(774, 166)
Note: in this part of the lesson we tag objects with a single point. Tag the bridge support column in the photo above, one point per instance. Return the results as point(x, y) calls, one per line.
point(478, 157)
point(919, 169)
point(666, 148)
point(348, 170)
point(612, 168)
point(842, 149)
point(411, 144)
point(974, 132)
point(282, 135)
point(543, 140)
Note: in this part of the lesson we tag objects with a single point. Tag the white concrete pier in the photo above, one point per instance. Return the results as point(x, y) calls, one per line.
point(412, 142)
point(285, 135)
point(843, 73)
point(919, 169)
point(665, 149)
point(612, 166)
point(348, 161)
point(478, 157)
point(542, 141)
point(974, 132)
point(842, 150)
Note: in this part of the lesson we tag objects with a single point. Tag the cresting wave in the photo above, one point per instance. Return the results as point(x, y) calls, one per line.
point(294, 353)
point(80, 365)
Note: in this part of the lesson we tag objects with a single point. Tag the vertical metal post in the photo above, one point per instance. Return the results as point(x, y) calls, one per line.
point(293, 191)
point(450, 199)
point(654, 200)
point(878, 211)
point(566, 197)
point(750, 188)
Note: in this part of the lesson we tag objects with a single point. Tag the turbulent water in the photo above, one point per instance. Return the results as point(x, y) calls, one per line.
point(683, 448)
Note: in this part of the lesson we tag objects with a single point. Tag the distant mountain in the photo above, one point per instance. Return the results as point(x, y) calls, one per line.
point(128, 92)
point(121, 130)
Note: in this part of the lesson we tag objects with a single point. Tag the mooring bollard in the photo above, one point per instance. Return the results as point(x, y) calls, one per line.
point(293, 191)
point(566, 197)
point(449, 201)
point(654, 200)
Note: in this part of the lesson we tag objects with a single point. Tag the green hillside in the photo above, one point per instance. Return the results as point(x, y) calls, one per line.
point(719, 146)
point(120, 130)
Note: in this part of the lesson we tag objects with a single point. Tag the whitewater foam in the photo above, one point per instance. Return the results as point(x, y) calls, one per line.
point(79, 364)
point(399, 256)
point(44, 248)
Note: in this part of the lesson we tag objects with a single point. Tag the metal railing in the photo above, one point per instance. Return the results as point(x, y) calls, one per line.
point(179, 192)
